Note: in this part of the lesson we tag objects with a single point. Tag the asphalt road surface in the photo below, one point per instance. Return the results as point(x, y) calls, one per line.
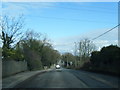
point(67, 78)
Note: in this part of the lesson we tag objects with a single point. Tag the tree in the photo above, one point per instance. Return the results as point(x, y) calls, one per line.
point(95, 58)
point(107, 59)
point(11, 34)
point(68, 59)
point(49, 55)
point(55, 56)
point(0, 53)
point(110, 54)
point(85, 48)
point(38, 52)
point(32, 45)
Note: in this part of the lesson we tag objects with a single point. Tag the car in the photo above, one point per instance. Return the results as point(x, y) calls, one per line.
point(57, 66)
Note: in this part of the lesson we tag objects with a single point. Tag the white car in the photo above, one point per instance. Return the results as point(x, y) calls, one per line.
point(57, 66)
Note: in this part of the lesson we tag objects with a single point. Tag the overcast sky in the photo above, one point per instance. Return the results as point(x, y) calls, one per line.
point(68, 22)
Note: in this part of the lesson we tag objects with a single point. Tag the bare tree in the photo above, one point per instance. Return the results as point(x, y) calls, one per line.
point(11, 32)
point(85, 48)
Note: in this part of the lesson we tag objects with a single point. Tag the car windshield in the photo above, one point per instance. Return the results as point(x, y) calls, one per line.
point(60, 44)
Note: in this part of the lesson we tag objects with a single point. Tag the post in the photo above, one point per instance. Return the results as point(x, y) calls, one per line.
point(118, 24)
point(75, 54)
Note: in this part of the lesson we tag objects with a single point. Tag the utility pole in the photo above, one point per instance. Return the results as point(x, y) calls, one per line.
point(119, 36)
point(119, 24)
point(75, 53)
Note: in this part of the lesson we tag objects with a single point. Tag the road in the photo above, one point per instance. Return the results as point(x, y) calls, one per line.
point(68, 78)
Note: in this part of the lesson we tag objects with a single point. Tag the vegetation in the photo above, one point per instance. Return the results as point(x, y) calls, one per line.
point(69, 60)
point(37, 51)
point(84, 49)
point(0, 53)
point(11, 34)
point(106, 60)
point(82, 53)
point(32, 47)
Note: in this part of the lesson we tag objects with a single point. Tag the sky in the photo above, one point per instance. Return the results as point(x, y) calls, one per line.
point(67, 22)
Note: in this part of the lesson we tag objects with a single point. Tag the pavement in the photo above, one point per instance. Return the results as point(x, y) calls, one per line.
point(11, 81)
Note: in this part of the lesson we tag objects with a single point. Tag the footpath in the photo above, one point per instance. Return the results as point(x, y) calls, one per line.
point(11, 81)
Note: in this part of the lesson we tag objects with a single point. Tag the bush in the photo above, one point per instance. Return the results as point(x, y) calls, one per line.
point(107, 60)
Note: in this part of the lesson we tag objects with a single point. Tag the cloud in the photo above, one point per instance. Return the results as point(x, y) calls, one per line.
point(102, 43)
point(63, 46)
point(25, 8)
point(13, 9)
point(67, 44)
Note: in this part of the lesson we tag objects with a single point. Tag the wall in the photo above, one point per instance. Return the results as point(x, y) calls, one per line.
point(12, 67)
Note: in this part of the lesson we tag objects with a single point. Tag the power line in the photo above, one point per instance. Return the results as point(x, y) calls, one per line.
point(91, 10)
point(105, 32)
point(70, 19)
